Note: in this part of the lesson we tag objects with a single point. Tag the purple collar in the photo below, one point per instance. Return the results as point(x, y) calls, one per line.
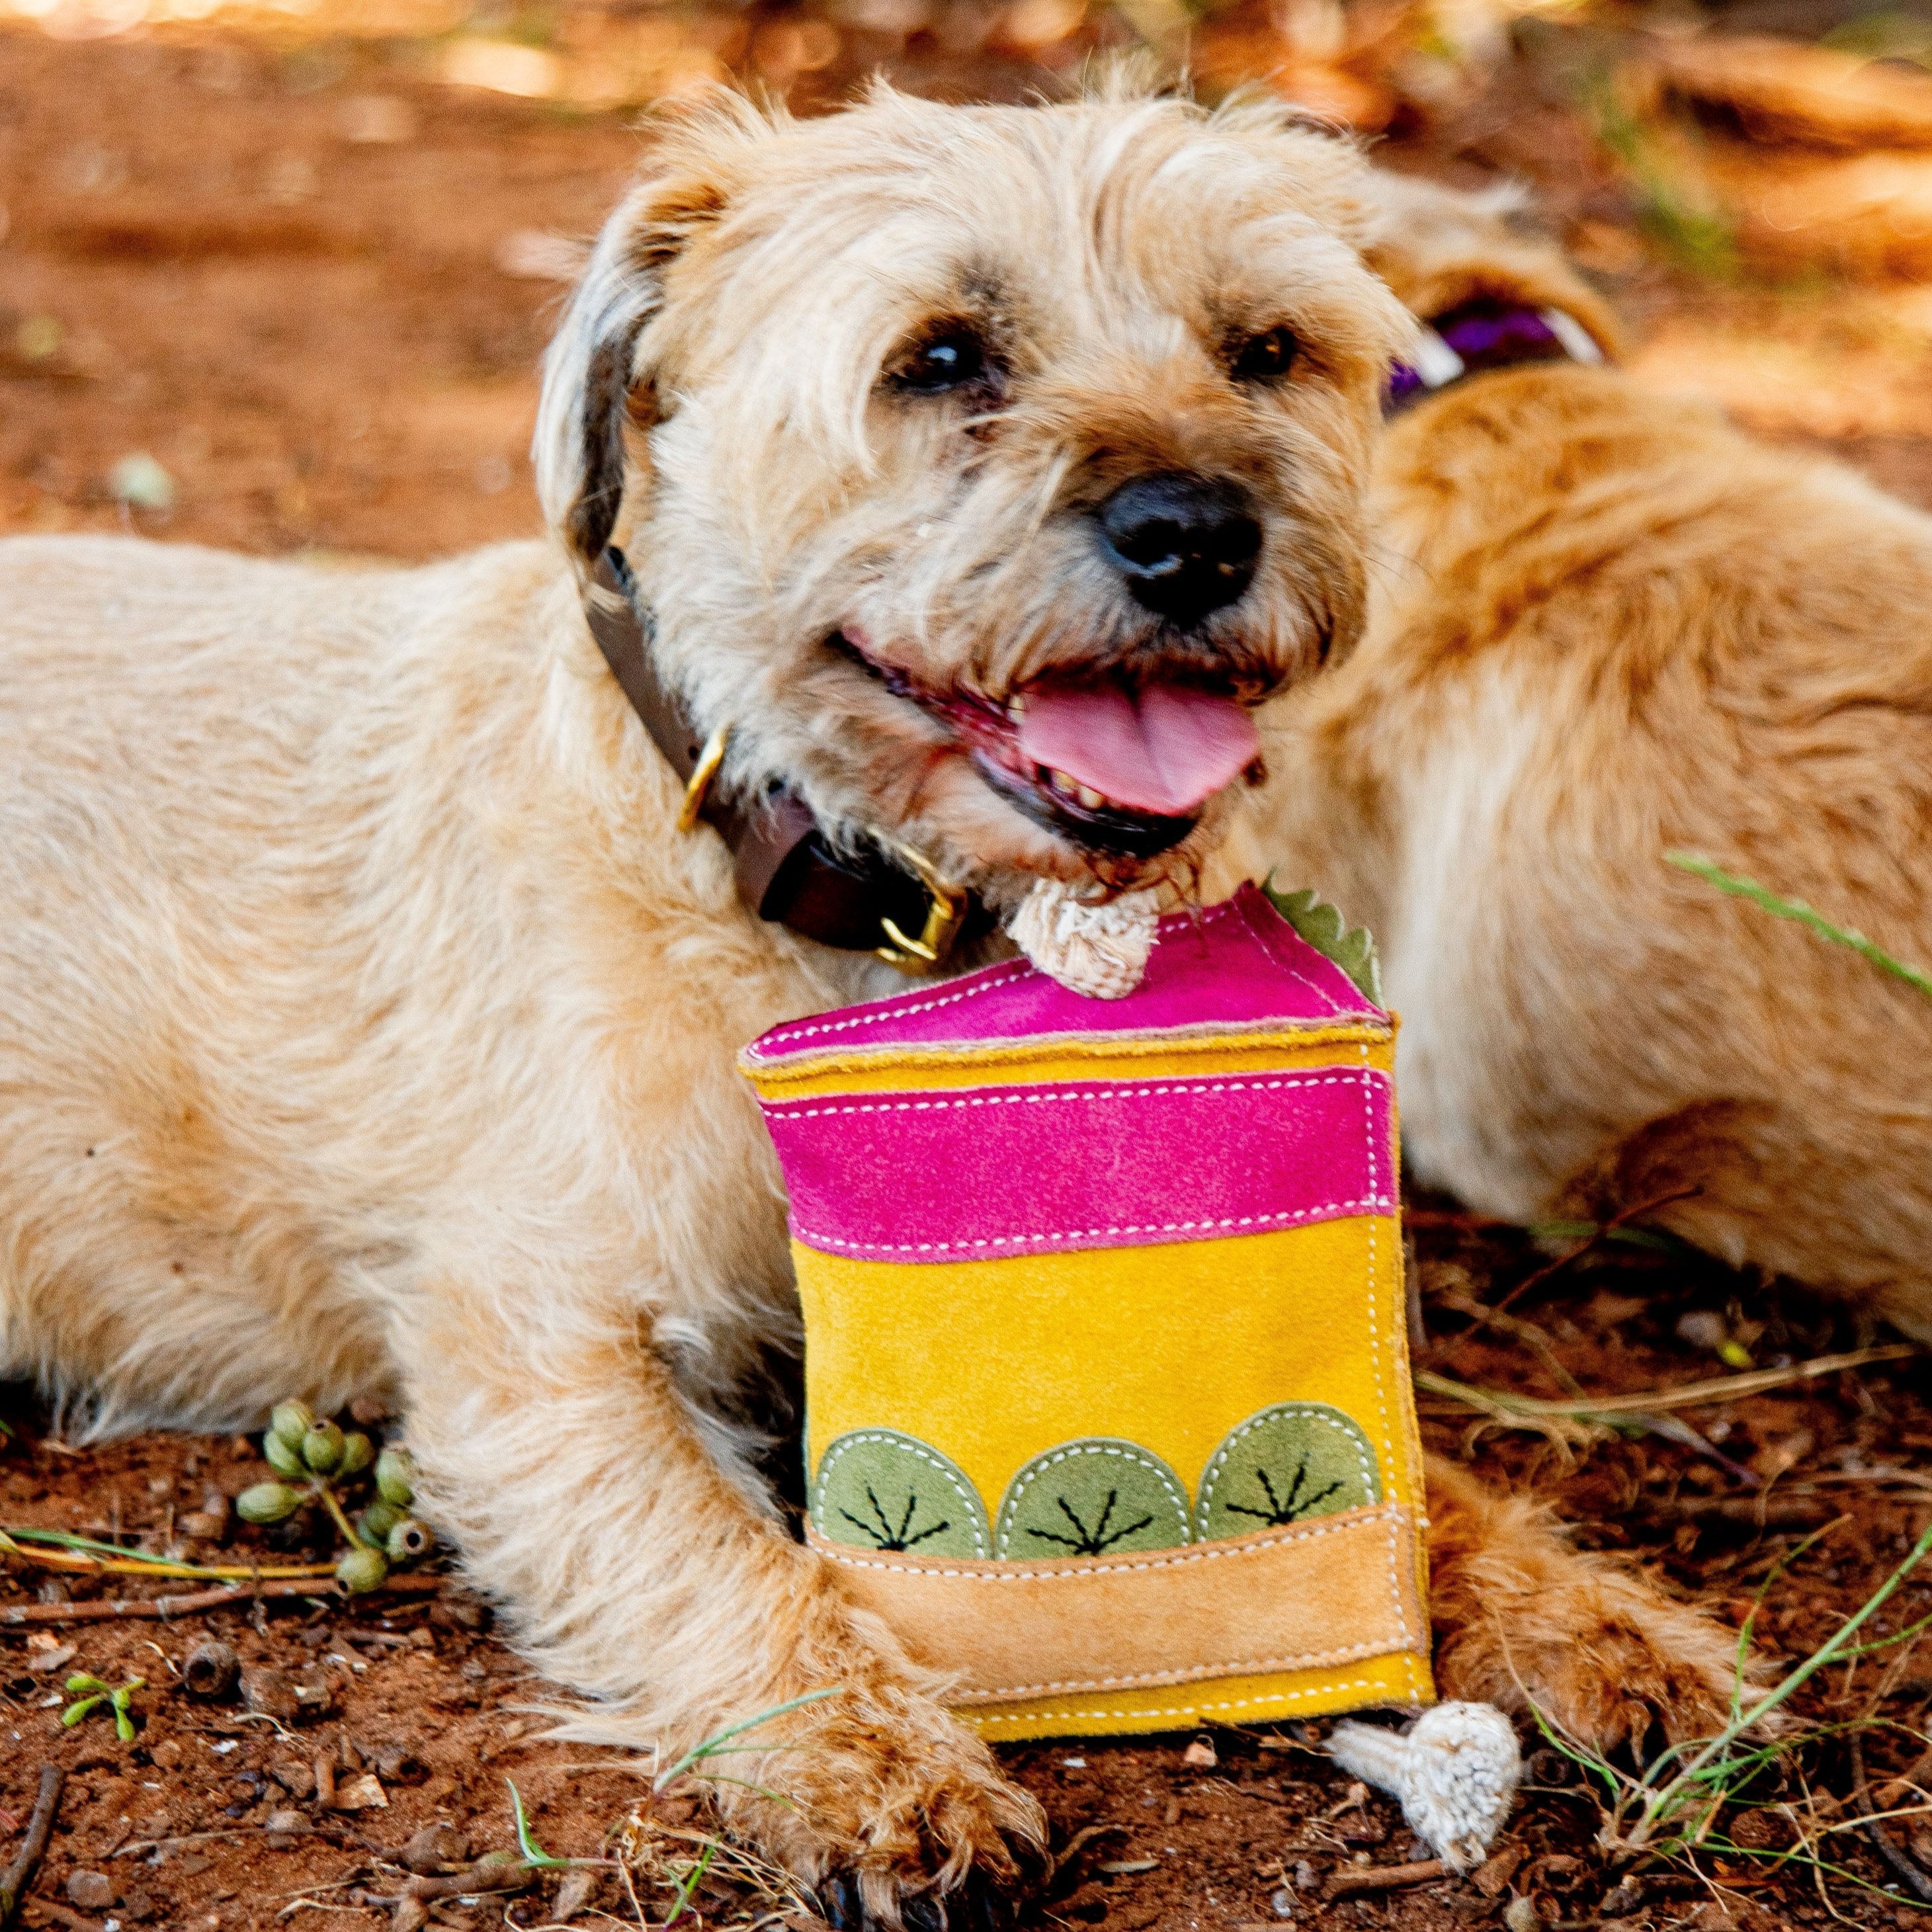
point(1482, 335)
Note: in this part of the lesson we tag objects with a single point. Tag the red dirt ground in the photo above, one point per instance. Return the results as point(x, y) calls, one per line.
point(328, 341)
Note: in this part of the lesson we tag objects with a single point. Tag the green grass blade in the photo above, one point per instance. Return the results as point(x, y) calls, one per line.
point(713, 1745)
point(1739, 887)
point(533, 1853)
point(688, 1884)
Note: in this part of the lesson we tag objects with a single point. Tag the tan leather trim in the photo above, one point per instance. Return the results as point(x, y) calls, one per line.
point(1335, 1590)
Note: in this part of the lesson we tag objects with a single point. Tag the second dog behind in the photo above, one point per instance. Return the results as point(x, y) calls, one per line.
point(1607, 626)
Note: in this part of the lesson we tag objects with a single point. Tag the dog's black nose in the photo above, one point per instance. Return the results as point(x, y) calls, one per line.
point(1186, 546)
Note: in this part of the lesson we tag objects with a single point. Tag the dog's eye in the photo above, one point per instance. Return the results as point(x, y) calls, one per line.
point(1263, 358)
point(949, 361)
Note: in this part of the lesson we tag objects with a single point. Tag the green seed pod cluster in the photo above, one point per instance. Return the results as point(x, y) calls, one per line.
point(396, 1478)
point(289, 1421)
point(316, 1458)
point(378, 1519)
point(408, 1540)
point(322, 1448)
point(268, 1502)
point(362, 1570)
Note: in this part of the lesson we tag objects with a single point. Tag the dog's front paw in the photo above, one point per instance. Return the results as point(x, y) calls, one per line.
point(894, 1812)
point(1601, 1658)
point(1590, 1642)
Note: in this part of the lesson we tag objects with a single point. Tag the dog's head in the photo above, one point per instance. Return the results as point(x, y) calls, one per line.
point(982, 467)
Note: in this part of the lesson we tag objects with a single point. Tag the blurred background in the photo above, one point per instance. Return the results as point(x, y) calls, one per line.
point(277, 275)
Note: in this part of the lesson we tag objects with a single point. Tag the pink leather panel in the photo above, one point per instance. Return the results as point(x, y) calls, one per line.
point(958, 1174)
point(1239, 962)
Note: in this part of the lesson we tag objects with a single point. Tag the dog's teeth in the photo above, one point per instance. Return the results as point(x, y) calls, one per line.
point(1062, 784)
point(1016, 706)
point(1089, 798)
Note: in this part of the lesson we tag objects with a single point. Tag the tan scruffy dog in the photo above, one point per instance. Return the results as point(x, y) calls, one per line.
point(1605, 626)
point(367, 1025)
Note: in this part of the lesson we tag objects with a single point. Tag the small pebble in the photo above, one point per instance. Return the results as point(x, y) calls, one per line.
point(268, 1692)
point(90, 1891)
point(1200, 1754)
point(1703, 1328)
point(577, 1890)
point(435, 1849)
point(1282, 1904)
point(284, 1828)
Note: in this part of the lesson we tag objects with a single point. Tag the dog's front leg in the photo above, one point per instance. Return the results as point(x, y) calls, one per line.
point(562, 1460)
point(1522, 1620)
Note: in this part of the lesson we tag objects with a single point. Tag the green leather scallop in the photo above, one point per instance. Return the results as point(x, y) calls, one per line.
point(1098, 1496)
point(1284, 1465)
point(879, 1490)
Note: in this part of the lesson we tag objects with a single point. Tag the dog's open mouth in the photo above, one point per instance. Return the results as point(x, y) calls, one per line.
point(1118, 768)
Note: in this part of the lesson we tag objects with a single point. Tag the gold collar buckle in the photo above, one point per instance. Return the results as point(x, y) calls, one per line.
point(945, 913)
point(698, 787)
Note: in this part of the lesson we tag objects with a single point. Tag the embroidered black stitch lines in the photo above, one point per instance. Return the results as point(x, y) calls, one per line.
point(878, 1489)
point(1285, 1464)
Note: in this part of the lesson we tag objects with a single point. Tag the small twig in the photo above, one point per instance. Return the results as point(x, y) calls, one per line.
point(333, 1834)
point(1506, 1405)
point(84, 1554)
point(61, 1914)
point(1352, 1881)
point(511, 1875)
point(163, 1609)
point(1908, 1867)
point(18, 1876)
point(1760, 1512)
point(1079, 1841)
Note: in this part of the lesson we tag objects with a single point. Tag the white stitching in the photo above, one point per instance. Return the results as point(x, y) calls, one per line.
point(1314, 1660)
point(1173, 1711)
point(1370, 1204)
point(1375, 1330)
point(1369, 1079)
point(969, 1497)
point(1128, 1452)
point(783, 1110)
point(1344, 1425)
point(1268, 952)
point(1019, 970)
point(1202, 1673)
point(1022, 969)
point(1094, 1566)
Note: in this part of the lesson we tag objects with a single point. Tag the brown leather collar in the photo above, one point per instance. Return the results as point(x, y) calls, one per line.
point(787, 871)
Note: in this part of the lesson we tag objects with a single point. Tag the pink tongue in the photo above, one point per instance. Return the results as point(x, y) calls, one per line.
point(1166, 749)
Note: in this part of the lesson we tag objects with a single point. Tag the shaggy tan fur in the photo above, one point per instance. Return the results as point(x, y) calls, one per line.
point(1604, 625)
point(366, 1028)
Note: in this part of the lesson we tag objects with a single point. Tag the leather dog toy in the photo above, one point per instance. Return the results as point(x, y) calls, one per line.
point(1109, 1408)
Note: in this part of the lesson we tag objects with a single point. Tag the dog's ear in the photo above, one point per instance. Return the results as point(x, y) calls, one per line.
point(1440, 246)
point(595, 377)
